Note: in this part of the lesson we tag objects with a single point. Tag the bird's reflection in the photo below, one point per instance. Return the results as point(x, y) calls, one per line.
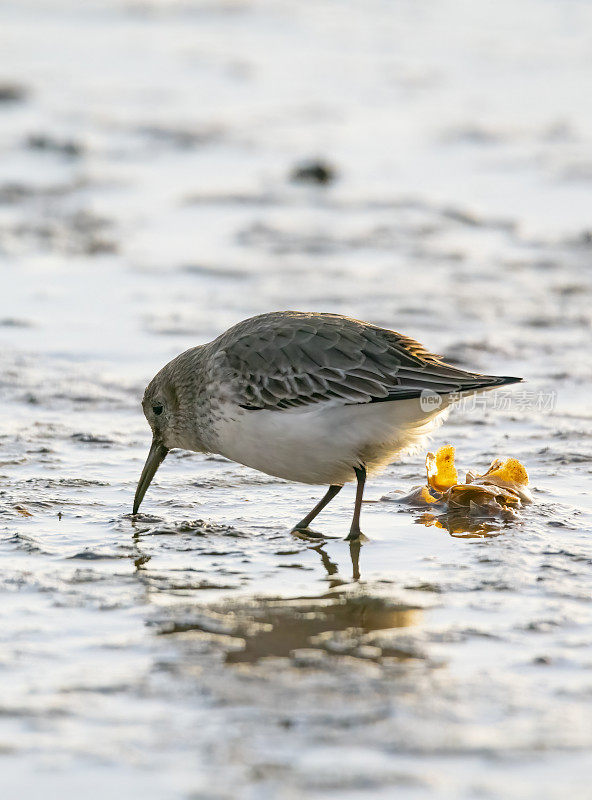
point(279, 627)
point(355, 546)
point(338, 621)
point(138, 556)
point(332, 568)
point(354, 551)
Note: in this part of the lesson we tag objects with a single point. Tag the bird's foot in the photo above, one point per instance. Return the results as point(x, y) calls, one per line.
point(307, 533)
point(356, 535)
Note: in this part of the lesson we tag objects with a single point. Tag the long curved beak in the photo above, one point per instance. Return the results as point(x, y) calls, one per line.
point(155, 458)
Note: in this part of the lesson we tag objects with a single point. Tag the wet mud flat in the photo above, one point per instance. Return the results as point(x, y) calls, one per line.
point(201, 650)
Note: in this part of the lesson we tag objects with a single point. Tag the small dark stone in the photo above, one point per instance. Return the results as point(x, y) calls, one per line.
point(89, 438)
point(100, 246)
point(13, 322)
point(65, 147)
point(12, 93)
point(313, 172)
point(463, 217)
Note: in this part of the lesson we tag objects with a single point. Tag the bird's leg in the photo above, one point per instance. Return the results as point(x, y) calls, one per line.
point(331, 492)
point(354, 531)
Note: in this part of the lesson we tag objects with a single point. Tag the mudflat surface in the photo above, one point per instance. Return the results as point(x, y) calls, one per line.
point(147, 201)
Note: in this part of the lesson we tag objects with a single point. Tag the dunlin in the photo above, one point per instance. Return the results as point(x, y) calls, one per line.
point(314, 398)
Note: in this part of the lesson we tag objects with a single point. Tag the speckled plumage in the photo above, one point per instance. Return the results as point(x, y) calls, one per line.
point(304, 396)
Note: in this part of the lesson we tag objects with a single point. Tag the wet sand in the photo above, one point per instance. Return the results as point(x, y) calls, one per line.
point(156, 187)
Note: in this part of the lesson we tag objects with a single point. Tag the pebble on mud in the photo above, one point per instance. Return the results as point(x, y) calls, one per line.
point(319, 172)
point(64, 147)
point(12, 92)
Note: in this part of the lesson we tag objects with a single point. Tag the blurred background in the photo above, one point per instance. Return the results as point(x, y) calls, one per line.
point(169, 168)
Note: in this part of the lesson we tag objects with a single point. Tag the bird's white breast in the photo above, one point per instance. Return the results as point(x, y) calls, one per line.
point(321, 444)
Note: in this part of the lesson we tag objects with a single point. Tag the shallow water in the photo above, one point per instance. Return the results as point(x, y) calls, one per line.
point(203, 651)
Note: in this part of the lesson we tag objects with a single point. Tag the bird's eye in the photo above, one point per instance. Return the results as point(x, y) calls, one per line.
point(157, 409)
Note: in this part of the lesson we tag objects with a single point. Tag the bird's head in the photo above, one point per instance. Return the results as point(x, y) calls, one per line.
point(159, 411)
point(168, 403)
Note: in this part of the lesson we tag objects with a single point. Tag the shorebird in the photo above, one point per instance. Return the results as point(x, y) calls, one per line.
point(308, 397)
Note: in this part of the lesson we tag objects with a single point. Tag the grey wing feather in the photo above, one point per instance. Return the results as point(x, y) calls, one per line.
point(290, 359)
